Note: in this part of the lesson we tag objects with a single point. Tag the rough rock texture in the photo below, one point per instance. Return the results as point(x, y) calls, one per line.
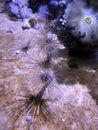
point(70, 105)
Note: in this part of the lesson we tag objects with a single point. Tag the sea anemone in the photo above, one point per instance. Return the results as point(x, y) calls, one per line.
point(30, 106)
point(89, 25)
point(84, 20)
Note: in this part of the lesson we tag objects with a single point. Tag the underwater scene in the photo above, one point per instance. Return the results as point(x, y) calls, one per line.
point(48, 64)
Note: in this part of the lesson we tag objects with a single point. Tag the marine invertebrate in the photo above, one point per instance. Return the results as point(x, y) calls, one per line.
point(29, 106)
point(43, 64)
point(25, 49)
point(51, 49)
point(22, 47)
point(41, 61)
point(89, 25)
point(84, 20)
point(46, 78)
point(20, 8)
point(68, 102)
point(80, 32)
point(47, 46)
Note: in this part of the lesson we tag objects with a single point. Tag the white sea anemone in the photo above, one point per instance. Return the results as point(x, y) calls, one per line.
point(84, 20)
point(89, 25)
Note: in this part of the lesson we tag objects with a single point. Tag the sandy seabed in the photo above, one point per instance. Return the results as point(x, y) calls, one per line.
point(69, 101)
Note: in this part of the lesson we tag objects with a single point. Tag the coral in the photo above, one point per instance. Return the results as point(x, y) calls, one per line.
point(43, 10)
point(20, 8)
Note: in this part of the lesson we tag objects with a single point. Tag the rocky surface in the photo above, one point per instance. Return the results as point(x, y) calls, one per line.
point(70, 97)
